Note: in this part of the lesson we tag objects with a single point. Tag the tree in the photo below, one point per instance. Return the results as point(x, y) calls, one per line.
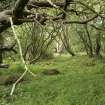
point(62, 12)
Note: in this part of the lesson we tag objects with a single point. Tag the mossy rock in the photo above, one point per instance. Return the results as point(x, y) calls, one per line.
point(51, 72)
point(10, 79)
point(3, 79)
point(13, 78)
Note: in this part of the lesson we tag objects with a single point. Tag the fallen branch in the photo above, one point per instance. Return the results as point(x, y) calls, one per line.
point(21, 57)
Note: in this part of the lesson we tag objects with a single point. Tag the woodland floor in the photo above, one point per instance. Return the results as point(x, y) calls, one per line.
point(81, 82)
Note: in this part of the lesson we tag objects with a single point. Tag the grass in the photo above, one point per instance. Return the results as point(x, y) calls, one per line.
point(81, 82)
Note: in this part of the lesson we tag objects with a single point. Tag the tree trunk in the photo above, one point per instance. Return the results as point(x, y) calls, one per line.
point(1, 52)
point(1, 57)
point(98, 45)
point(89, 42)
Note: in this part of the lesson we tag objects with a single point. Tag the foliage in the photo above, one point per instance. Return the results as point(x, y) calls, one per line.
point(48, 29)
point(6, 4)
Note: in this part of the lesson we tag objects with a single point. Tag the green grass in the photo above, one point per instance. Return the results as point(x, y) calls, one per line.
point(81, 82)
